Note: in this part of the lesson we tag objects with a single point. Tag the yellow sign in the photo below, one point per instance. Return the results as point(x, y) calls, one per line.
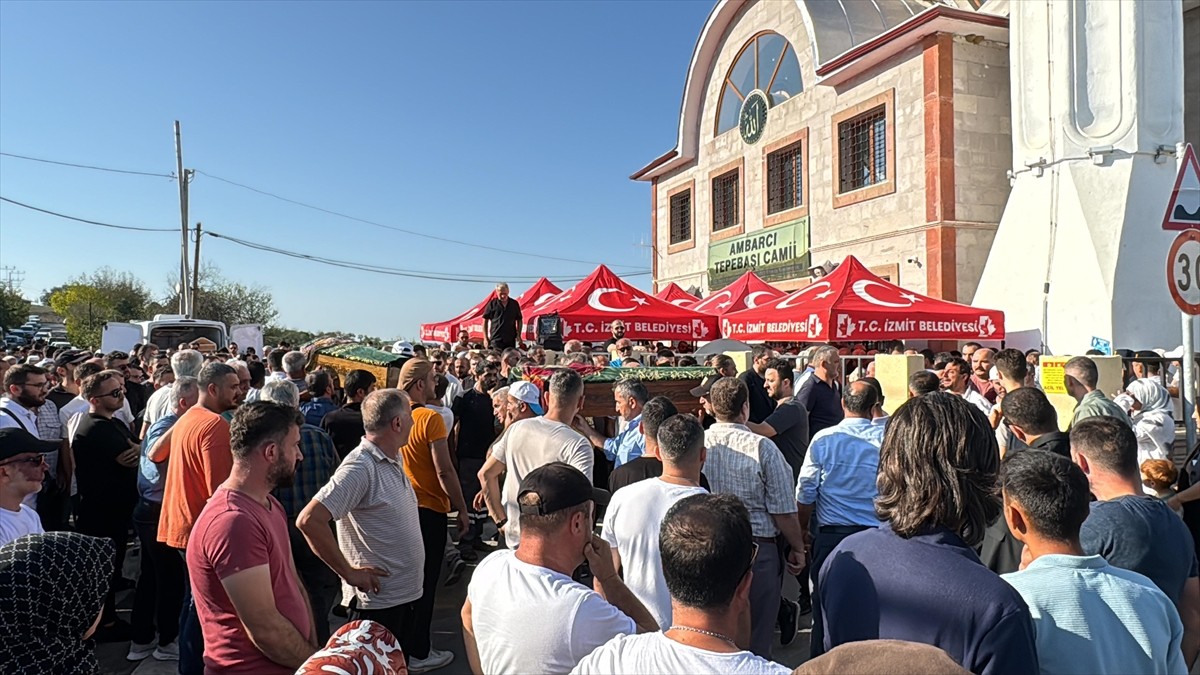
point(1053, 377)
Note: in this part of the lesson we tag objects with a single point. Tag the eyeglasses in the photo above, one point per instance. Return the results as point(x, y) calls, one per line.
point(36, 460)
point(38, 385)
point(624, 349)
point(753, 557)
point(115, 393)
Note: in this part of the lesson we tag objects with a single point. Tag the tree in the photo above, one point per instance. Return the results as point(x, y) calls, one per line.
point(228, 301)
point(88, 301)
point(13, 308)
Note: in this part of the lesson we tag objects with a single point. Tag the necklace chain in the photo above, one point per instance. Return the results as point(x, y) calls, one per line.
point(704, 632)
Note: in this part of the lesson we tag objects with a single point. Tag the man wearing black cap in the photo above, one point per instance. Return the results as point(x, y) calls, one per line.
point(705, 411)
point(64, 369)
point(523, 612)
point(22, 469)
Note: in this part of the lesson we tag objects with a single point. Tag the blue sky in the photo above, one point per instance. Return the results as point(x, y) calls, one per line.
point(508, 124)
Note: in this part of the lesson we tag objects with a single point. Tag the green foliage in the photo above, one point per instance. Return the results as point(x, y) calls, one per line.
point(87, 301)
point(13, 308)
point(228, 301)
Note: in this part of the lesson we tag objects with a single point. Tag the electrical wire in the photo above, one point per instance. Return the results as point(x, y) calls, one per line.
point(90, 222)
point(366, 267)
point(405, 231)
point(89, 166)
point(362, 267)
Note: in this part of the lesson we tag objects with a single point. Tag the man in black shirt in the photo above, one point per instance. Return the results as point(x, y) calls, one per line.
point(106, 459)
point(818, 394)
point(64, 369)
point(787, 425)
point(761, 403)
point(345, 425)
point(656, 411)
point(475, 427)
point(618, 332)
point(502, 320)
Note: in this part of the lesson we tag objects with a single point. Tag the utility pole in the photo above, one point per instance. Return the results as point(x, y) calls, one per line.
point(185, 305)
point(12, 279)
point(195, 274)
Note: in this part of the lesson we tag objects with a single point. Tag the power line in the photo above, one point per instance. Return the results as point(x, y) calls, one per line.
point(89, 222)
point(362, 267)
point(405, 231)
point(89, 166)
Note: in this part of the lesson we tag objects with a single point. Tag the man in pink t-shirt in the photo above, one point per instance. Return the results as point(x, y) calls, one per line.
point(254, 615)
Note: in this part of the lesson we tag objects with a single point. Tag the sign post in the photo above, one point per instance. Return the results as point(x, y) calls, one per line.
point(1183, 276)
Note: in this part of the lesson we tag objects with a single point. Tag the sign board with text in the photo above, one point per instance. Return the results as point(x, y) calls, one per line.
point(774, 253)
point(1053, 375)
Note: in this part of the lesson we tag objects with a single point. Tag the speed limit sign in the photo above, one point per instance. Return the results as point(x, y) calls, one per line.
point(1183, 271)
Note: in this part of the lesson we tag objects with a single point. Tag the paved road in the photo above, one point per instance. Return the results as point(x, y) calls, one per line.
point(447, 634)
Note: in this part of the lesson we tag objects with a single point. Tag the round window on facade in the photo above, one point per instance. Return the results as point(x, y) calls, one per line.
point(767, 63)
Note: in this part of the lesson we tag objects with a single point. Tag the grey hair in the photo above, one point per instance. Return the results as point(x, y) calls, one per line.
point(382, 406)
point(294, 362)
point(823, 354)
point(499, 393)
point(283, 392)
point(632, 389)
point(238, 364)
point(182, 388)
point(187, 363)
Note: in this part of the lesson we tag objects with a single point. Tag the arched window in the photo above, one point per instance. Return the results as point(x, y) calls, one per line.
point(768, 63)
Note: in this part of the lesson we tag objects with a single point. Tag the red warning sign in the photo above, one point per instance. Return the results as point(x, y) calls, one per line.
point(1183, 209)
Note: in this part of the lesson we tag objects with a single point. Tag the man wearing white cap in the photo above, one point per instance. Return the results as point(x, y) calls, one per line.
point(524, 401)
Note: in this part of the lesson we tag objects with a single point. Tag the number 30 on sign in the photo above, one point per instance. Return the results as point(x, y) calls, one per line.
point(1183, 271)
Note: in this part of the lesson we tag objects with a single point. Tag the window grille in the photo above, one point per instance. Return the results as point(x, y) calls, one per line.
point(784, 179)
point(725, 195)
point(862, 150)
point(681, 217)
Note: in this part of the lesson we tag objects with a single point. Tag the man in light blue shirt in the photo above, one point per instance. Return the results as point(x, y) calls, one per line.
point(629, 444)
point(837, 483)
point(1088, 616)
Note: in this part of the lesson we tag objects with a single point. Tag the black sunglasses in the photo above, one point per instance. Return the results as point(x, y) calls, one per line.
point(115, 393)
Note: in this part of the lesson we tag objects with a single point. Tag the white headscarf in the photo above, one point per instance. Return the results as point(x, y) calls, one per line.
point(1152, 395)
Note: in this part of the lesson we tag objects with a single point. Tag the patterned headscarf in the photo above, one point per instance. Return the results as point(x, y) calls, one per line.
point(53, 587)
point(358, 648)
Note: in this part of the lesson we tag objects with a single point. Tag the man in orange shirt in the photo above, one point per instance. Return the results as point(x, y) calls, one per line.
point(200, 460)
point(435, 481)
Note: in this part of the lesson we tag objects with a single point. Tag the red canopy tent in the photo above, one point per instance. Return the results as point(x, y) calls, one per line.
point(588, 309)
point(677, 296)
point(541, 292)
point(852, 304)
point(747, 292)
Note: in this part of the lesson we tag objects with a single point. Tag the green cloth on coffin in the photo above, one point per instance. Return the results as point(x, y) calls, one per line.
point(592, 374)
point(363, 354)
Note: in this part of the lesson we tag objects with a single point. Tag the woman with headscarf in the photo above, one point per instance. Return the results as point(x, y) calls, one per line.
point(53, 587)
point(1149, 407)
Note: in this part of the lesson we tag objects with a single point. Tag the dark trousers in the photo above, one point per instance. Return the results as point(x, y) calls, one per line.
point(108, 523)
point(468, 480)
point(827, 538)
point(159, 595)
point(433, 535)
point(765, 589)
point(400, 620)
point(54, 507)
point(319, 581)
point(191, 639)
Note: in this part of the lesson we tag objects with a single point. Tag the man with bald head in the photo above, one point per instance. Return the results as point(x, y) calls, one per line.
point(982, 361)
point(837, 484)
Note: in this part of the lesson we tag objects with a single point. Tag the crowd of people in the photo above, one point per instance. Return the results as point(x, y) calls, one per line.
point(964, 532)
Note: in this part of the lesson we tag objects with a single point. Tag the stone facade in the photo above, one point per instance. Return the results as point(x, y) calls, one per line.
point(948, 127)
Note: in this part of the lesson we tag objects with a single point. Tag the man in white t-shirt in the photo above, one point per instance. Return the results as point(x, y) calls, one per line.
point(707, 549)
point(22, 469)
point(529, 444)
point(631, 523)
point(524, 613)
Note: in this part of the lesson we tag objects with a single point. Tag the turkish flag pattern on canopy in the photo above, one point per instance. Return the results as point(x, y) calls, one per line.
point(588, 309)
point(852, 305)
point(540, 293)
point(747, 292)
point(677, 296)
point(531, 302)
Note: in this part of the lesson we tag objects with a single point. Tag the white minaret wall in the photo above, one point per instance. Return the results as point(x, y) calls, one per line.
point(1104, 76)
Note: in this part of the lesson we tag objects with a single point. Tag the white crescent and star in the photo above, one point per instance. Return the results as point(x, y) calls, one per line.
point(680, 302)
point(791, 300)
point(596, 300)
point(711, 301)
point(545, 298)
point(861, 290)
point(750, 298)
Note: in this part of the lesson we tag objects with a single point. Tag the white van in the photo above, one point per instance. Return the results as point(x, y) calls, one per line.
point(169, 330)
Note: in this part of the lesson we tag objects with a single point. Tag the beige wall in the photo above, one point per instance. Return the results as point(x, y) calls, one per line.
point(855, 228)
point(883, 231)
